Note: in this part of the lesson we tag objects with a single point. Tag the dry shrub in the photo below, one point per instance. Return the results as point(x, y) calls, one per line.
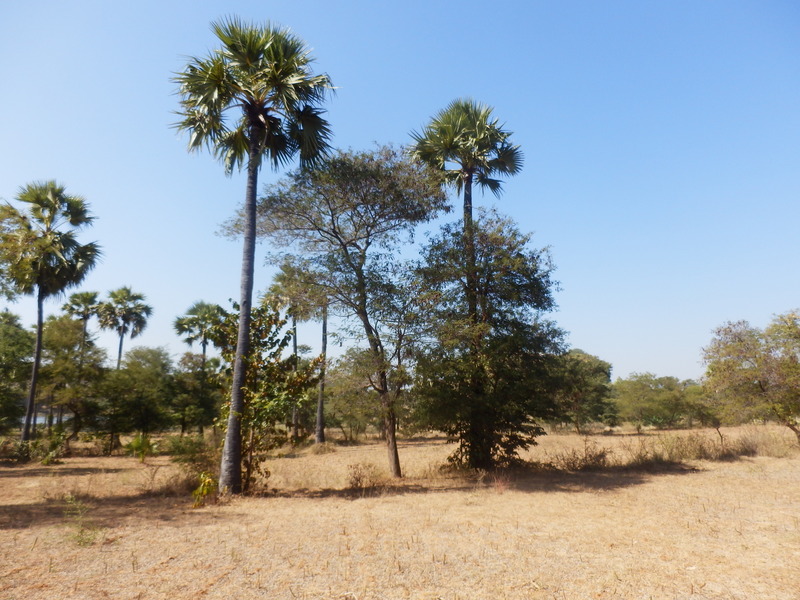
point(591, 457)
point(762, 441)
point(642, 453)
point(323, 448)
point(364, 477)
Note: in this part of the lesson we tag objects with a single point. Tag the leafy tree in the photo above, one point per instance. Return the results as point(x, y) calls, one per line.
point(272, 384)
point(198, 391)
point(41, 255)
point(67, 383)
point(754, 373)
point(306, 301)
point(584, 389)
point(351, 403)
point(254, 97)
point(469, 146)
point(124, 313)
point(347, 218)
point(645, 399)
point(487, 382)
point(16, 356)
point(137, 396)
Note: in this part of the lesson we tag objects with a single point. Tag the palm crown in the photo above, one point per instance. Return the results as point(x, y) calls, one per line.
point(125, 313)
point(199, 323)
point(256, 89)
point(40, 252)
point(466, 142)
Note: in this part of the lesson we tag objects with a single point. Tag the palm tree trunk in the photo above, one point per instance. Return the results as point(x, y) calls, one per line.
point(230, 475)
point(469, 247)
point(119, 352)
point(320, 430)
point(37, 359)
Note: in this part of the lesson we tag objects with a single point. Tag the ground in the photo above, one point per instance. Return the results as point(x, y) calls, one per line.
point(94, 528)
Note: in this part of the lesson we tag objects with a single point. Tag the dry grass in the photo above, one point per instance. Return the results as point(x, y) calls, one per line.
point(702, 530)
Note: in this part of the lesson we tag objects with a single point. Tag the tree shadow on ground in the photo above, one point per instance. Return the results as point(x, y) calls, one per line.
point(523, 480)
point(101, 512)
point(56, 471)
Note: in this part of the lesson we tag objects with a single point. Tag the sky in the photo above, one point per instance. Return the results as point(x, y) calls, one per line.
point(661, 144)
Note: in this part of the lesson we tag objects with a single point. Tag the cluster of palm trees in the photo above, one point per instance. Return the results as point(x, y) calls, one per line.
point(41, 256)
point(255, 97)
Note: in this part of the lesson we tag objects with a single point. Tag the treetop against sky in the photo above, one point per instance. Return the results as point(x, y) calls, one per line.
point(660, 146)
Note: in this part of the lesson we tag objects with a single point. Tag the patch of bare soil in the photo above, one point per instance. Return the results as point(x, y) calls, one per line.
point(95, 528)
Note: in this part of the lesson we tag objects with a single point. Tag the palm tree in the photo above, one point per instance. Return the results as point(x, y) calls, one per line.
point(253, 97)
point(469, 146)
point(42, 259)
point(198, 325)
point(82, 306)
point(125, 313)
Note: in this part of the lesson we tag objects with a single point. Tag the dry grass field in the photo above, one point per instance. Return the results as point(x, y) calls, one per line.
point(96, 528)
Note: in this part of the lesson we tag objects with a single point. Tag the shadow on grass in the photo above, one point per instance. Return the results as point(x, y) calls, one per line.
point(527, 479)
point(102, 512)
point(54, 471)
point(112, 511)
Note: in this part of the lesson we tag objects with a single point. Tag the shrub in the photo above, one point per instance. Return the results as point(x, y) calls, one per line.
point(591, 457)
point(363, 477)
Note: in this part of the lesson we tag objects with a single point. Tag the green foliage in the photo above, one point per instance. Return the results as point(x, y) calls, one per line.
point(465, 141)
point(272, 385)
point(84, 532)
point(48, 449)
point(487, 382)
point(41, 255)
point(124, 313)
point(253, 97)
point(646, 400)
point(16, 355)
point(199, 323)
point(137, 396)
point(756, 374)
point(141, 446)
point(584, 389)
point(199, 387)
point(257, 86)
point(193, 452)
point(207, 487)
point(351, 403)
point(39, 249)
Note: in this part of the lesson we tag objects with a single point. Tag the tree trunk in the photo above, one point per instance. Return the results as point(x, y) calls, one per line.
point(119, 352)
point(469, 247)
point(295, 415)
point(390, 426)
point(320, 429)
point(795, 429)
point(37, 359)
point(230, 475)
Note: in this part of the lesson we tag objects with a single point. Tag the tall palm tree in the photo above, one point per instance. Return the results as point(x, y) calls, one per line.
point(469, 146)
point(41, 254)
point(82, 306)
point(125, 313)
point(198, 325)
point(253, 97)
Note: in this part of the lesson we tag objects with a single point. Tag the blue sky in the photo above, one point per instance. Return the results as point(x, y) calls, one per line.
point(661, 141)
